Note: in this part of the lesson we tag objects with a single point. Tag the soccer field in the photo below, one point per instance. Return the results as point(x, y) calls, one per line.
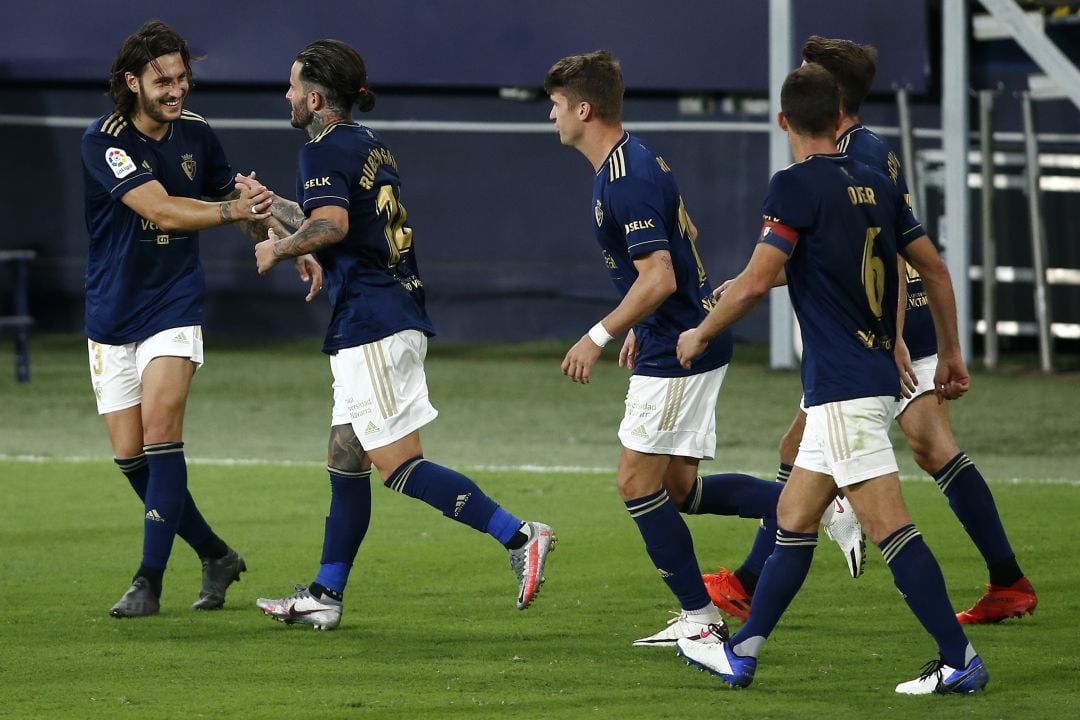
point(430, 628)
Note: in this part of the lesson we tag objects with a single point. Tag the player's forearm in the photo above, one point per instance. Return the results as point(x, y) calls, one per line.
point(180, 213)
point(939, 292)
point(287, 212)
point(256, 229)
point(738, 300)
point(313, 235)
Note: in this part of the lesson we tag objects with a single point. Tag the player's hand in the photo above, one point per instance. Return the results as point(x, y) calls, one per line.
point(310, 272)
point(909, 382)
point(254, 201)
point(265, 257)
point(951, 379)
point(629, 352)
point(718, 291)
point(690, 345)
point(579, 360)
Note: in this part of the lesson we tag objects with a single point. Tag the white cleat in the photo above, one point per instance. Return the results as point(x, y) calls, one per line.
point(303, 608)
point(844, 529)
point(683, 627)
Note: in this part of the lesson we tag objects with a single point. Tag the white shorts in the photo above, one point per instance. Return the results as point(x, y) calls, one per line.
point(672, 416)
point(849, 440)
point(925, 368)
point(381, 389)
point(116, 370)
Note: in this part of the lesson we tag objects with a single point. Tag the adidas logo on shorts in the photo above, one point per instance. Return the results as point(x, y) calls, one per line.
point(371, 428)
point(639, 431)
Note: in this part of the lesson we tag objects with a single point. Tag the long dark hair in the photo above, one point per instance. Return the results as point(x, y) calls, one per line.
point(341, 74)
point(151, 41)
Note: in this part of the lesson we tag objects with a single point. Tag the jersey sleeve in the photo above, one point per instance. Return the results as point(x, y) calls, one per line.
point(218, 181)
point(787, 212)
point(637, 205)
point(111, 164)
point(321, 180)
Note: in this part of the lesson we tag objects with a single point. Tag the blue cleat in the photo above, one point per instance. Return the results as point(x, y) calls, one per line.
point(718, 658)
point(940, 679)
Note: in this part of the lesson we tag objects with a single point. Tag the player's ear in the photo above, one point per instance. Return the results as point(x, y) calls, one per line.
point(132, 82)
point(781, 120)
point(585, 110)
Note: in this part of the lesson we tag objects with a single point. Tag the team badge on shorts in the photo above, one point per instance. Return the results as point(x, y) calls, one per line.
point(119, 162)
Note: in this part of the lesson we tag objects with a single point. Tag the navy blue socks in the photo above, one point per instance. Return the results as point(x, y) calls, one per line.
point(455, 495)
point(781, 579)
point(669, 545)
point(918, 578)
point(973, 503)
point(346, 525)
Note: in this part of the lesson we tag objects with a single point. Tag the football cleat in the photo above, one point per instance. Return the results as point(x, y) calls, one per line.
point(940, 679)
point(1000, 603)
point(303, 608)
point(528, 562)
point(728, 593)
point(138, 601)
point(720, 660)
point(844, 529)
point(683, 627)
point(217, 575)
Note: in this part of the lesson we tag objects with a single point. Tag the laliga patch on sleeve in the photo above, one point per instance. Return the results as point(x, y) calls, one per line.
point(119, 162)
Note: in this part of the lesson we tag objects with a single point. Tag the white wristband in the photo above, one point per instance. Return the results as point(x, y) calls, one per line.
point(599, 334)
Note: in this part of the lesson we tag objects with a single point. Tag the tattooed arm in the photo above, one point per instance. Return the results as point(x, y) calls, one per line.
point(306, 265)
point(287, 212)
point(326, 226)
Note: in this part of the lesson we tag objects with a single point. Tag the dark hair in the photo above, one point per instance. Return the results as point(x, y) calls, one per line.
point(594, 78)
point(149, 42)
point(810, 100)
point(341, 74)
point(854, 66)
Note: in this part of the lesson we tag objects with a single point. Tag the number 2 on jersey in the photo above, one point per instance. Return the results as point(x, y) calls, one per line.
point(398, 236)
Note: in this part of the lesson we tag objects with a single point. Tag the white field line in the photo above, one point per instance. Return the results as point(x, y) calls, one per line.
point(526, 468)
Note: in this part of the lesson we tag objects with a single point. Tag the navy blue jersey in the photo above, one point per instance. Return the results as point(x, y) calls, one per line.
point(139, 279)
point(638, 209)
point(841, 222)
point(371, 276)
point(865, 146)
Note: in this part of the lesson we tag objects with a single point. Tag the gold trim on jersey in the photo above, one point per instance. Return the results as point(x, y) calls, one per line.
point(114, 124)
point(328, 128)
point(188, 115)
point(616, 165)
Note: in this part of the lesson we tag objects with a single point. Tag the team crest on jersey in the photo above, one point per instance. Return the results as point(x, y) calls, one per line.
point(187, 162)
point(119, 162)
point(598, 211)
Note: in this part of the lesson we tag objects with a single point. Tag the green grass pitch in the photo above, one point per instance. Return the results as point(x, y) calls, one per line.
point(430, 629)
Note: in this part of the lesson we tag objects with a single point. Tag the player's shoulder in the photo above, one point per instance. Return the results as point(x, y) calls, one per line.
point(192, 124)
point(112, 125)
point(634, 165)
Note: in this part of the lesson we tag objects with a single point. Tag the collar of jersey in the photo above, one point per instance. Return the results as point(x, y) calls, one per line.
point(146, 138)
point(827, 156)
point(625, 139)
point(850, 131)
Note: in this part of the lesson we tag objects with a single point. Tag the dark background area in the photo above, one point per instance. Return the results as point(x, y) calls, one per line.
point(500, 210)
